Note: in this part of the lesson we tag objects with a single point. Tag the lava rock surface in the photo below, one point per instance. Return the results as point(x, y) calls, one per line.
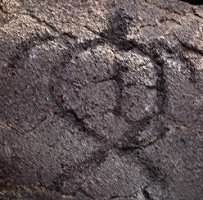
point(101, 100)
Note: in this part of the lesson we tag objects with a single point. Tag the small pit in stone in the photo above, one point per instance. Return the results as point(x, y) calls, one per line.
point(194, 2)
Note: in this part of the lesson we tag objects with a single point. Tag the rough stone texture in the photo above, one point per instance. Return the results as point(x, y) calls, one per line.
point(101, 100)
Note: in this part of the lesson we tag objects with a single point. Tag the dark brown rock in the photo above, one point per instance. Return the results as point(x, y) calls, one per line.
point(101, 100)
